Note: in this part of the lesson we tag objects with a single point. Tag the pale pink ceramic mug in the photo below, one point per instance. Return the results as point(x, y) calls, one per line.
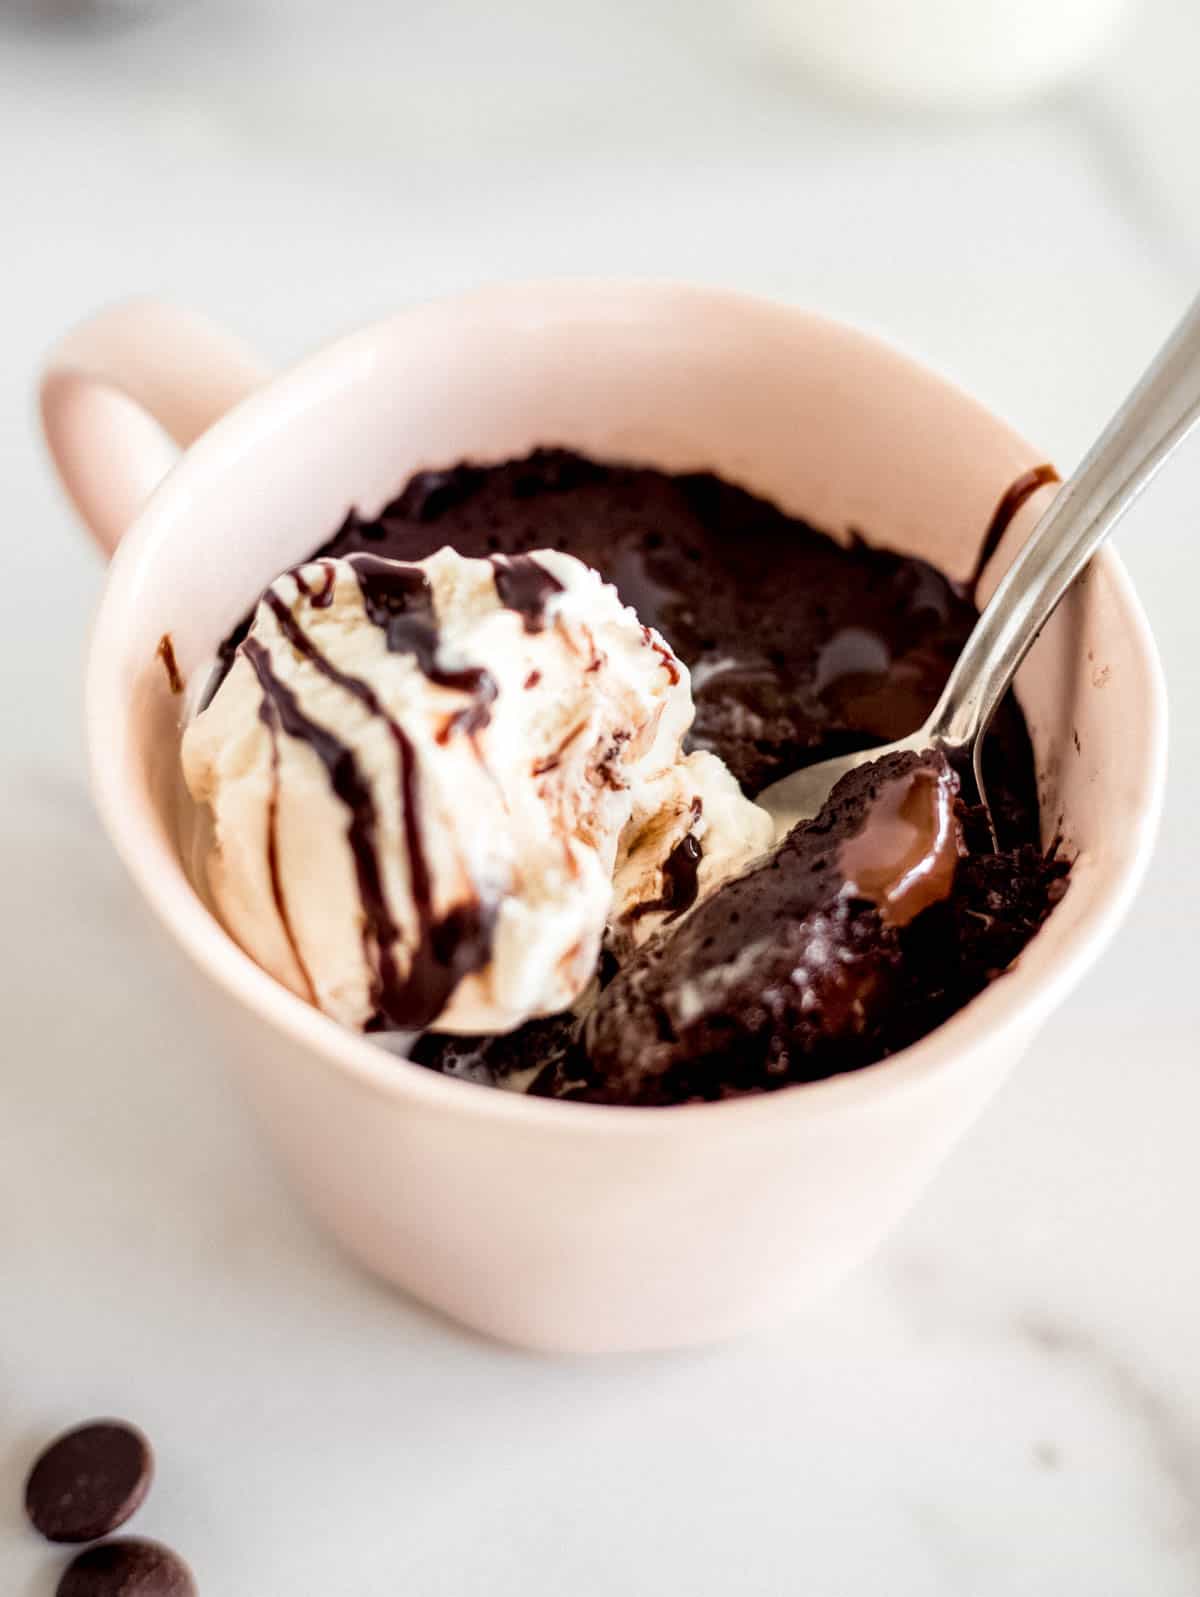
point(558, 1225)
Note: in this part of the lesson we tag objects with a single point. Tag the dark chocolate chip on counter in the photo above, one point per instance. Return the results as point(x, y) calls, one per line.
point(89, 1481)
point(128, 1567)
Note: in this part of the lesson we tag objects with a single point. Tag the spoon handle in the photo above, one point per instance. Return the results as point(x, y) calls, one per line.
point(1150, 425)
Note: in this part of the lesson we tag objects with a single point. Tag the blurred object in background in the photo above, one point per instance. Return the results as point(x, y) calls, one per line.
point(952, 55)
point(85, 12)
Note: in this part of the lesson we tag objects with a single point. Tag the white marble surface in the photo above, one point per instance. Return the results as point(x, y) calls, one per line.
point(1007, 1400)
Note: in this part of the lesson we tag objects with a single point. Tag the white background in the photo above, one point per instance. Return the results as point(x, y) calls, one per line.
point(1007, 1400)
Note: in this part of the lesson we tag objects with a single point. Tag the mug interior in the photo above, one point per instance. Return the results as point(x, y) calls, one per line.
point(831, 424)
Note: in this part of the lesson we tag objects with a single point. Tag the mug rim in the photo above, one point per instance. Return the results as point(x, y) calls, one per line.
point(1025, 994)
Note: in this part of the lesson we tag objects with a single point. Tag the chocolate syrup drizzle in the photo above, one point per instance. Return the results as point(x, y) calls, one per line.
point(553, 760)
point(320, 598)
point(1025, 486)
point(269, 716)
point(447, 947)
point(166, 653)
point(398, 599)
point(680, 876)
point(664, 654)
point(523, 584)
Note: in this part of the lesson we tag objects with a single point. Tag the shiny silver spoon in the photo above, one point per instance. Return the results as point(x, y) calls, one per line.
point(1150, 425)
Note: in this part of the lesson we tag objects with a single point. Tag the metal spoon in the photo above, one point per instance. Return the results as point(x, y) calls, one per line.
point(1149, 427)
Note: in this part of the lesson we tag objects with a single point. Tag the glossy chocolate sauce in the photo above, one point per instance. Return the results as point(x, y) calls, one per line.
point(166, 653)
point(447, 947)
point(905, 853)
point(280, 712)
point(399, 600)
point(320, 597)
point(779, 975)
point(680, 876)
point(268, 714)
point(524, 585)
point(1014, 497)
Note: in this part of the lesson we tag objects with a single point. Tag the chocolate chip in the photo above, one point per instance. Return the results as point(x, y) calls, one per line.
point(89, 1481)
point(129, 1567)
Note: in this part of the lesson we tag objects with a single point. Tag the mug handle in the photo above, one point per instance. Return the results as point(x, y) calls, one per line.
point(124, 392)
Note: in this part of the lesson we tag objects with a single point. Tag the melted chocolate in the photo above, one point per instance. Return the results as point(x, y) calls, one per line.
point(320, 598)
point(904, 856)
point(347, 781)
point(1013, 498)
point(398, 599)
point(681, 879)
point(790, 973)
point(446, 948)
point(523, 584)
point(778, 976)
point(166, 653)
point(668, 659)
point(268, 714)
point(680, 876)
point(551, 762)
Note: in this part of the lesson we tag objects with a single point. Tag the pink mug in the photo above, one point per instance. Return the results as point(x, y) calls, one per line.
point(551, 1225)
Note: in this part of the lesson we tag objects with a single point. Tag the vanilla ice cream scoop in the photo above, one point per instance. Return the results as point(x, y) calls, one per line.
point(691, 828)
point(421, 777)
